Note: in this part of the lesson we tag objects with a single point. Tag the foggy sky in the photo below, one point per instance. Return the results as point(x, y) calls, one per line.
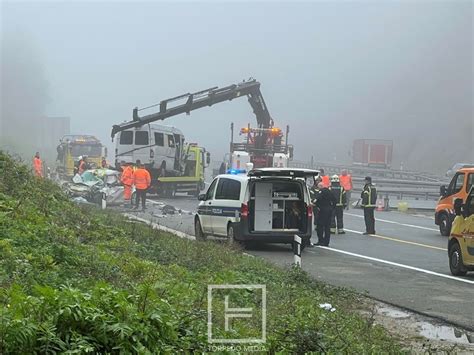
point(334, 71)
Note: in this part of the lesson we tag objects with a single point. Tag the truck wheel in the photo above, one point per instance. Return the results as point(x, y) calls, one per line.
point(444, 225)
point(455, 260)
point(198, 233)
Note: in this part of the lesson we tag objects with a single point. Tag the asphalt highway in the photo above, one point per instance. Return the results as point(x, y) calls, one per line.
point(404, 264)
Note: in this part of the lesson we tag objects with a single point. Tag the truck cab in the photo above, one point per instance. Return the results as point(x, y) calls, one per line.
point(461, 240)
point(458, 188)
point(71, 147)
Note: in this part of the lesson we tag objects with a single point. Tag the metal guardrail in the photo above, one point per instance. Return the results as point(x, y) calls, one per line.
point(361, 171)
point(389, 183)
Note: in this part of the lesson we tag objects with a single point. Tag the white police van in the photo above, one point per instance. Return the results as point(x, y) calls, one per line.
point(267, 205)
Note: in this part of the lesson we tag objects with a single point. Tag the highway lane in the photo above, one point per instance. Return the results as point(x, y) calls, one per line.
point(405, 263)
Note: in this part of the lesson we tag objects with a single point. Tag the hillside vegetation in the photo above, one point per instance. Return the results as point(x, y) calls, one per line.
point(80, 280)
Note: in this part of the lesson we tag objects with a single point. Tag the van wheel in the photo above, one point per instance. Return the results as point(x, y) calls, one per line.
point(444, 225)
point(455, 261)
point(198, 233)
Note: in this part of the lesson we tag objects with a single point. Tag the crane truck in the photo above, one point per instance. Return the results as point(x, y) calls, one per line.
point(262, 147)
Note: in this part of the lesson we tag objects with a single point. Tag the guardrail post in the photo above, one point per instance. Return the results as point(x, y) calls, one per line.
point(104, 200)
point(297, 250)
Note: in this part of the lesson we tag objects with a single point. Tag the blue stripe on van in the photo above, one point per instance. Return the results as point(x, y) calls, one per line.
point(218, 211)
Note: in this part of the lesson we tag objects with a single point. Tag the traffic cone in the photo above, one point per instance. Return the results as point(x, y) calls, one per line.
point(380, 205)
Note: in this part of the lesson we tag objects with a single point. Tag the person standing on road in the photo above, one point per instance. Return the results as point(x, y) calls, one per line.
point(337, 220)
point(346, 182)
point(369, 198)
point(325, 204)
point(127, 181)
point(324, 178)
point(38, 165)
point(313, 195)
point(142, 181)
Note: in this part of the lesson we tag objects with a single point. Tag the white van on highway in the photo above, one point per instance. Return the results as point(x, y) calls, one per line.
point(157, 146)
point(267, 205)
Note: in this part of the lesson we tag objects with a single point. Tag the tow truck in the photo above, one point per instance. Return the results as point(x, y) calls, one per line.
point(262, 143)
point(263, 147)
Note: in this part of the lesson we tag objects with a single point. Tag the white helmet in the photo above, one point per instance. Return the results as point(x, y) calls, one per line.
point(80, 157)
point(334, 178)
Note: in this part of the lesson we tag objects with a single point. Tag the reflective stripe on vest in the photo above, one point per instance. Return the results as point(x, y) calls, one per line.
point(369, 192)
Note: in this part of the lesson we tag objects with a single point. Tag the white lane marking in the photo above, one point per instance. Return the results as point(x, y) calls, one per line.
point(396, 264)
point(401, 224)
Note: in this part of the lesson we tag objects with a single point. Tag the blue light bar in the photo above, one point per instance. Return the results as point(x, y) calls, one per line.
point(236, 171)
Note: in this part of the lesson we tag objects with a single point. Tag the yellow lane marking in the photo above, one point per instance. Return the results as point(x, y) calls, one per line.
point(401, 241)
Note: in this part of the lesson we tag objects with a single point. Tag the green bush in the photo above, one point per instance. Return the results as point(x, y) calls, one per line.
point(80, 280)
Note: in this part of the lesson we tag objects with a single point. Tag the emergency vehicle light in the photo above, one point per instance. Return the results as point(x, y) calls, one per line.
point(236, 171)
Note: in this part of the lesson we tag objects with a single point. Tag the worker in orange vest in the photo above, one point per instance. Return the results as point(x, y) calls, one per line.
point(142, 181)
point(38, 165)
point(346, 182)
point(324, 178)
point(127, 181)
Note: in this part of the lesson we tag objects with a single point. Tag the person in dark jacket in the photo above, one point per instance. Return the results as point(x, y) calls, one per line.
point(337, 220)
point(313, 194)
point(325, 204)
point(369, 198)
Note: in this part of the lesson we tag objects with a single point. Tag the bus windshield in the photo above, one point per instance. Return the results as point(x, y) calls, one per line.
point(91, 150)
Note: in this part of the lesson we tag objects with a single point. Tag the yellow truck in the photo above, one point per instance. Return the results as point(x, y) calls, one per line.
point(191, 181)
point(461, 240)
point(71, 147)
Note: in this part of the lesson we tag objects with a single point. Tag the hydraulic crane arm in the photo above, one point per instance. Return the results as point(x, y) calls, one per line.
point(204, 98)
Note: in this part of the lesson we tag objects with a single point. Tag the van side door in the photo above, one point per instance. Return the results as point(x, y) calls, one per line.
point(226, 204)
point(171, 151)
point(142, 146)
point(468, 228)
point(159, 149)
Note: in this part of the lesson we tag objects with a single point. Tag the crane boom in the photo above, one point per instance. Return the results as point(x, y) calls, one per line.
point(200, 99)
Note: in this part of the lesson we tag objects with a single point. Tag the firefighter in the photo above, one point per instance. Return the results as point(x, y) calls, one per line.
point(127, 181)
point(337, 222)
point(325, 204)
point(324, 178)
point(142, 181)
point(38, 165)
point(346, 182)
point(369, 198)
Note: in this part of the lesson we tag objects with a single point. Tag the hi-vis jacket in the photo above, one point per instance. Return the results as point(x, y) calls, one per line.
point(141, 179)
point(339, 193)
point(38, 166)
point(127, 176)
point(369, 196)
